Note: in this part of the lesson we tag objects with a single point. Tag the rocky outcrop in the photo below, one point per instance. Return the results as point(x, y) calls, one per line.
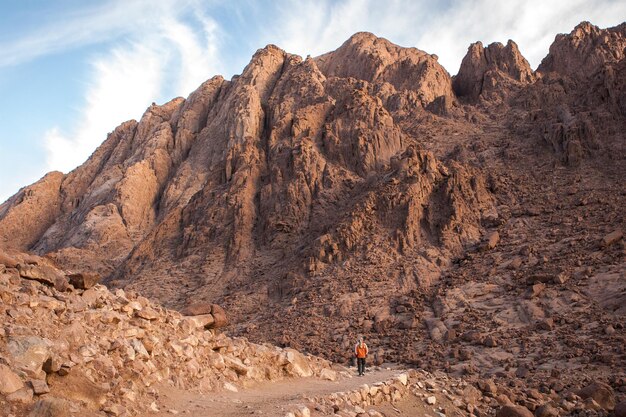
point(376, 60)
point(585, 50)
point(489, 72)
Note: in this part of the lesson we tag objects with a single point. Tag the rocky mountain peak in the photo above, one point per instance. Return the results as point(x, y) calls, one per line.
point(585, 50)
point(485, 71)
point(367, 57)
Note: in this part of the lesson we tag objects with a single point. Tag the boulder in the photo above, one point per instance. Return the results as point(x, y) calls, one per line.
point(611, 238)
point(295, 364)
point(84, 280)
point(514, 411)
point(23, 395)
point(9, 381)
point(488, 386)
point(601, 393)
point(546, 410)
point(45, 274)
point(29, 353)
point(39, 386)
point(7, 260)
point(219, 315)
point(492, 240)
point(196, 309)
point(50, 407)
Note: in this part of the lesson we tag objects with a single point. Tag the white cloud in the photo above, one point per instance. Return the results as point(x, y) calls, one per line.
point(168, 60)
point(103, 22)
point(125, 82)
point(316, 26)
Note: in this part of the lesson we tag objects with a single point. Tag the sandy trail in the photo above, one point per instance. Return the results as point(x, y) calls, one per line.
point(268, 399)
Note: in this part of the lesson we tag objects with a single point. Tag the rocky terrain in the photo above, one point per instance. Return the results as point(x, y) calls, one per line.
point(469, 224)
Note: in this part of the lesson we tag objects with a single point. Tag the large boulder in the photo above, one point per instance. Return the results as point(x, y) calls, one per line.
point(219, 315)
point(514, 411)
point(28, 354)
point(196, 309)
point(600, 393)
point(45, 274)
point(9, 381)
point(295, 363)
point(84, 280)
point(50, 407)
point(7, 260)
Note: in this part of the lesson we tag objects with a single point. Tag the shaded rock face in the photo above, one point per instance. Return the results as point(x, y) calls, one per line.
point(490, 71)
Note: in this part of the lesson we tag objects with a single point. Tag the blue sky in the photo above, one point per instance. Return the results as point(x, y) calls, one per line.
point(72, 70)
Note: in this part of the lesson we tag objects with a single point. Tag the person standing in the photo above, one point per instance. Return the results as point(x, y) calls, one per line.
point(361, 351)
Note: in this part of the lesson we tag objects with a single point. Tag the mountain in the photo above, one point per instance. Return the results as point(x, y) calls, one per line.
point(461, 223)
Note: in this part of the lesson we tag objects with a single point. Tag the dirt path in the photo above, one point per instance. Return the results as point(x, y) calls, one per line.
point(267, 399)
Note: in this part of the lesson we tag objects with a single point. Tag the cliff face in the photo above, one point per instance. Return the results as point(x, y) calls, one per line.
point(358, 183)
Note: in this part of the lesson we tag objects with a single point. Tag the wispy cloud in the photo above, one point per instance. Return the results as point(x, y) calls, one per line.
point(443, 28)
point(123, 82)
point(170, 59)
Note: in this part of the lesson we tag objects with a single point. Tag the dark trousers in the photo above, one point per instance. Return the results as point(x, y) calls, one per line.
point(360, 363)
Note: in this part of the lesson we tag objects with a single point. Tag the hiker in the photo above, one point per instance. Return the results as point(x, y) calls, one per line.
point(361, 351)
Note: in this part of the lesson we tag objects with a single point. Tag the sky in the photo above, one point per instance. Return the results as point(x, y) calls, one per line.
point(73, 70)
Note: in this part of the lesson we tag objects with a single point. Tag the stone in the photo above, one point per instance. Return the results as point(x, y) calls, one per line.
point(39, 386)
point(492, 240)
point(611, 238)
point(219, 315)
point(537, 289)
point(600, 393)
point(45, 274)
point(546, 324)
point(9, 381)
point(196, 309)
point(295, 363)
point(488, 386)
point(7, 260)
point(328, 374)
point(514, 411)
point(50, 407)
point(204, 321)
point(546, 410)
point(22, 396)
point(431, 400)
point(147, 314)
point(29, 353)
point(84, 280)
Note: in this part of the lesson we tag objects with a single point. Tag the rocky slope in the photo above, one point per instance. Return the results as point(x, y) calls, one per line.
point(469, 223)
point(83, 350)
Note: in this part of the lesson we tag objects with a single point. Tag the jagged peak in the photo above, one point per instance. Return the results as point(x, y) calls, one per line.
point(479, 60)
point(584, 50)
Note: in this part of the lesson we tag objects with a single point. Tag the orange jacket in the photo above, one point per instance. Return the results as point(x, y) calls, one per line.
point(361, 351)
